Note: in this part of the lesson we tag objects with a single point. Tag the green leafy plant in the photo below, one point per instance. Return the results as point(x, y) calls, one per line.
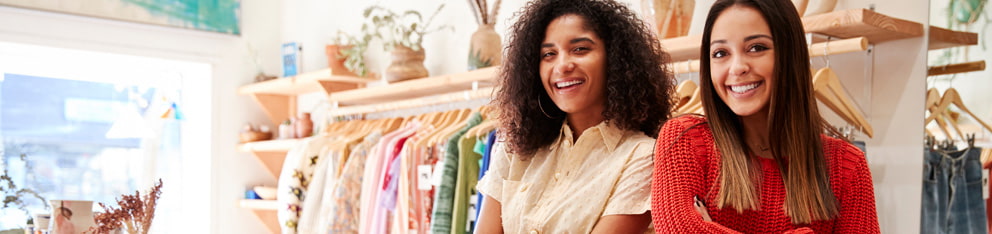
point(406, 29)
point(353, 51)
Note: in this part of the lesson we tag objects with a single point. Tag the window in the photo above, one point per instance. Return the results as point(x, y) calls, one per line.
point(94, 126)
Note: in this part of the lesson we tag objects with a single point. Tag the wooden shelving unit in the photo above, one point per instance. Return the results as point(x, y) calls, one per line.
point(265, 210)
point(417, 88)
point(278, 96)
point(942, 38)
point(843, 24)
point(270, 153)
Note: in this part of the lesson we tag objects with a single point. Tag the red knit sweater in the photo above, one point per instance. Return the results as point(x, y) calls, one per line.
point(687, 166)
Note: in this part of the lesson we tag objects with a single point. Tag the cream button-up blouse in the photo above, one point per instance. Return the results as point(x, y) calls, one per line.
point(568, 186)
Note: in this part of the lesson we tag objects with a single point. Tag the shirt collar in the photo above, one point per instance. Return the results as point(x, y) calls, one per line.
point(609, 134)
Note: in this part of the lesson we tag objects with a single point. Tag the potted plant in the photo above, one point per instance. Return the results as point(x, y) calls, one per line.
point(345, 54)
point(401, 35)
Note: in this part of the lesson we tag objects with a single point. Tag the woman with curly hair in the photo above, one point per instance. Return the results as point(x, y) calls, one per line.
point(581, 96)
point(758, 162)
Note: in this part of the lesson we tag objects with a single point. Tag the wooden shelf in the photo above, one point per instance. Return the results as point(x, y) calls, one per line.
point(682, 48)
point(316, 81)
point(266, 212)
point(417, 88)
point(270, 153)
point(278, 96)
point(842, 24)
point(942, 38)
point(862, 23)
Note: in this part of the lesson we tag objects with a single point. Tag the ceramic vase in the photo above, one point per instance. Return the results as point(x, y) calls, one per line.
point(71, 216)
point(668, 18)
point(304, 126)
point(485, 49)
point(407, 64)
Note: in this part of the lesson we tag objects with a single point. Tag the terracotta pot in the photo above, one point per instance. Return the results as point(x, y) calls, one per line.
point(485, 49)
point(407, 64)
point(670, 18)
point(335, 60)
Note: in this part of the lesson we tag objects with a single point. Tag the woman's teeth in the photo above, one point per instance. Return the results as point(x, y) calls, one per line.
point(744, 88)
point(568, 83)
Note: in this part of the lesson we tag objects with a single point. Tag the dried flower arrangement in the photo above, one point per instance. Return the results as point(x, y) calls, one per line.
point(484, 15)
point(134, 214)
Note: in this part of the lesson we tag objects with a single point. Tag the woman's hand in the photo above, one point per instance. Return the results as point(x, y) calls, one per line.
point(701, 209)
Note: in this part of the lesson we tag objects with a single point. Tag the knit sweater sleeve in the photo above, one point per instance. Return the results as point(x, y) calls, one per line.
point(680, 168)
point(853, 189)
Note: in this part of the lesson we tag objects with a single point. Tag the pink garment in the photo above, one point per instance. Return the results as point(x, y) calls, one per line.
point(373, 218)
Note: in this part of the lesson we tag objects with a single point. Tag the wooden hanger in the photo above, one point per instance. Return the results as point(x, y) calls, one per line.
point(951, 96)
point(829, 90)
point(683, 92)
point(694, 103)
point(932, 103)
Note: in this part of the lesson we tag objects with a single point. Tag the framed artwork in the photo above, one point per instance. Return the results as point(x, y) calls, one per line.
point(223, 16)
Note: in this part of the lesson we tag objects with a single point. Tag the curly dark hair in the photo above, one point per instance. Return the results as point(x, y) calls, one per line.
point(638, 85)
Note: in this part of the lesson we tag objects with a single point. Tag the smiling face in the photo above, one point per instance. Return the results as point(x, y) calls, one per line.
point(573, 65)
point(742, 60)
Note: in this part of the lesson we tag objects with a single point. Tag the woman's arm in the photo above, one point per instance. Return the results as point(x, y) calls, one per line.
point(490, 217)
point(623, 223)
point(679, 176)
point(856, 195)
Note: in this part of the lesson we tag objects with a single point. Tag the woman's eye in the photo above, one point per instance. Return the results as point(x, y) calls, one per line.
point(719, 54)
point(547, 54)
point(580, 49)
point(758, 48)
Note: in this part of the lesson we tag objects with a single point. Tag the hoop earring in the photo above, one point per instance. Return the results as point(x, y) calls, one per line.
point(539, 105)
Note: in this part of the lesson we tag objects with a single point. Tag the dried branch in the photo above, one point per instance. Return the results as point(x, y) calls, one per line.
point(135, 213)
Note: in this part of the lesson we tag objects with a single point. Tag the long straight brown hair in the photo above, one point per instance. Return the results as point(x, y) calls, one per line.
point(794, 122)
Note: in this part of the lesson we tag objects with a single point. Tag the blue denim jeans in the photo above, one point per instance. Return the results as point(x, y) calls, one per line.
point(952, 192)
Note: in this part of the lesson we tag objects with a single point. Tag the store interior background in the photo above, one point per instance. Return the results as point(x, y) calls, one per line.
point(216, 175)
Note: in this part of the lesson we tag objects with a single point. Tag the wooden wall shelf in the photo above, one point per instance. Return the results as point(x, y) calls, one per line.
point(841, 24)
point(266, 212)
point(484, 77)
point(270, 153)
point(942, 38)
point(278, 96)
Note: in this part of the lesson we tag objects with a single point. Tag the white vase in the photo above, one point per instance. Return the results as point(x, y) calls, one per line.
point(71, 216)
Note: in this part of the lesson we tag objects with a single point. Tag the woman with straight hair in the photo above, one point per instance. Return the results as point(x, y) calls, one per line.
point(581, 96)
point(758, 162)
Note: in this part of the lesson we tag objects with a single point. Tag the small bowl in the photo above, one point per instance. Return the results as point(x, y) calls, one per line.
point(266, 193)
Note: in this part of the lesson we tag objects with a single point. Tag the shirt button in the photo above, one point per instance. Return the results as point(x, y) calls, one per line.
point(557, 175)
point(533, 231)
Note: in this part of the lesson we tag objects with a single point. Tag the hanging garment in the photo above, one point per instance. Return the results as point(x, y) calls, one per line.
point(482, 170)
point(297, 170)
point(468, 172)
point(441, 221)
point(342, 213)
point(378, 217)
point(372, 173)
point(952, 192)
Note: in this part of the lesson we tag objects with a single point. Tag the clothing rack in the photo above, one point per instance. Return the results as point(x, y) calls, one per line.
point(815, 50)
point(467, 95)
point(956, 68)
